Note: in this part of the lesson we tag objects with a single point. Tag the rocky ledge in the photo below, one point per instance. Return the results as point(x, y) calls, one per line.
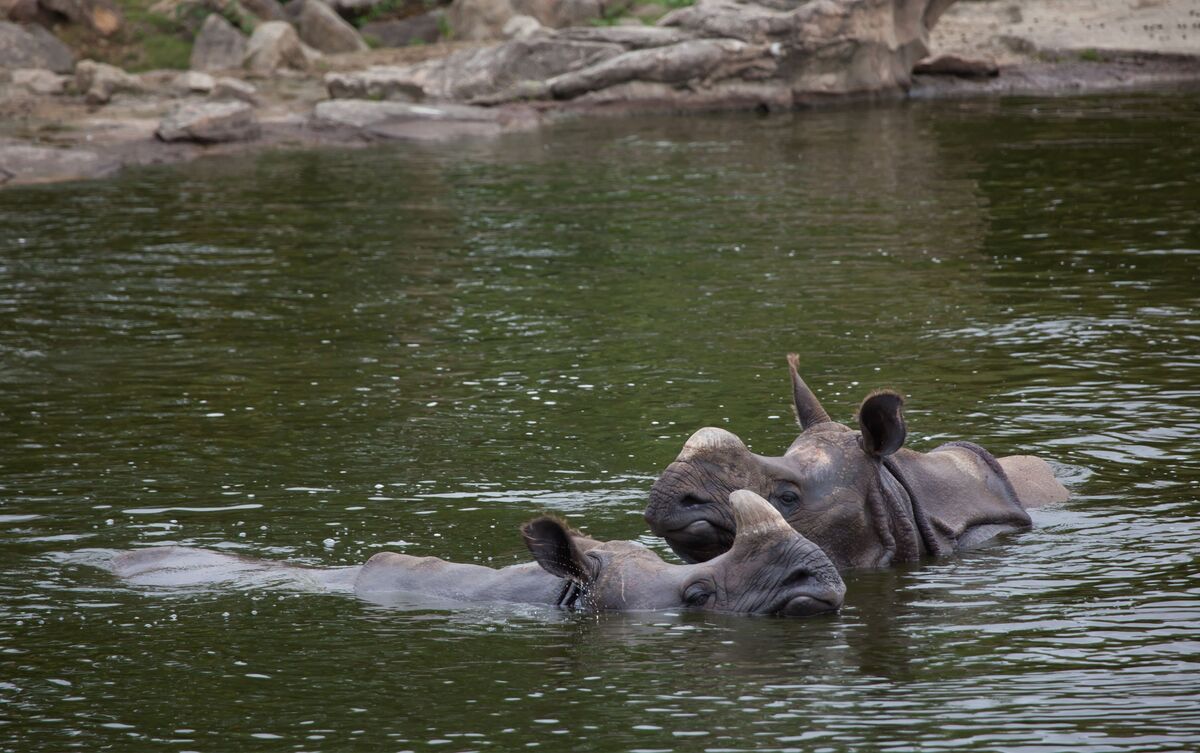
point(773, 54)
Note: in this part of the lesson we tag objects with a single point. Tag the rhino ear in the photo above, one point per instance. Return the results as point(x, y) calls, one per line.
point(552, 545)
point(881, 420)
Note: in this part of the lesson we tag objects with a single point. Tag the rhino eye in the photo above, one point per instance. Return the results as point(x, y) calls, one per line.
point(696, 595)
point(788, 498)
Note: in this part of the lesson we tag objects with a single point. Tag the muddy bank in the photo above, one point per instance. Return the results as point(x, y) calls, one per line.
point(91, 124)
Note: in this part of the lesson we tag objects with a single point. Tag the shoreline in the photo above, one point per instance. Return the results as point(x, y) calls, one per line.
point(99, 147)
point(55, 137)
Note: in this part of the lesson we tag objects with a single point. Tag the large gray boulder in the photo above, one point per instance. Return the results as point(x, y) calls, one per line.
point(209, 122)
point(218, 47)
point(475, 73)
point(232, 88)
point(192, 82)
point(716, 53)
point(98, 82)
point(323, 29)
point(40, 81)
point(399, 120)
point(33, 47)
point(522, 27)
point(273, 46)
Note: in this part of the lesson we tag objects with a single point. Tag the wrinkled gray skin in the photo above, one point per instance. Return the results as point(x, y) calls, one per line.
point(769, 569)
point(859, 495)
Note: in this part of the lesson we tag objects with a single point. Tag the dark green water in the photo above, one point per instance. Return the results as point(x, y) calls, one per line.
point(317, 356)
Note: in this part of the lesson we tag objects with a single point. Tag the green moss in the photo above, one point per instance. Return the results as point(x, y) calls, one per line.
point(165, 51)
point(145, 41)
point(1090, 55)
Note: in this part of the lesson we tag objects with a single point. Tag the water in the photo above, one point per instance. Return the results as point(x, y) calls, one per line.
point(317, 356)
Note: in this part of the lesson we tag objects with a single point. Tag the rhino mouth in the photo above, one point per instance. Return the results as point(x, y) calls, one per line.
point(699, 540)
point(805, 605)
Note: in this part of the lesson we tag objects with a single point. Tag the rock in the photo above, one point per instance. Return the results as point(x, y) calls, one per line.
point(98, 82)
point(423, 29)
point(40, 80)
point(209, 122)
point(629, 37)
point(193, 82)
point(399, 120)
point(218, 47)
point(689, 62)
point(275, 45)
point(953, 65)
point(161, 83)
point(33, 47)
point(468, 74)
point(479, 20)
point(377, 82)
point(22, 163)
point(323, 29)
point(101, 16)
point(521, 27)
point(830, 47)
point(714, 53)
point(232, 88)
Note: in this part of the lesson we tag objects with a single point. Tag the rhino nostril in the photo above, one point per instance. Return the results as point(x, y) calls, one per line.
point(797, 578)
point(691, 499)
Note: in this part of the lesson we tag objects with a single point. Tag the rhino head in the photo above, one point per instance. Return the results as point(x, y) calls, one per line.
point(844, 490)
point(768, 568)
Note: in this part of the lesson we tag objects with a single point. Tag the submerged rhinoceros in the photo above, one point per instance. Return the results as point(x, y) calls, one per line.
point(769, 569)
point(859, 495)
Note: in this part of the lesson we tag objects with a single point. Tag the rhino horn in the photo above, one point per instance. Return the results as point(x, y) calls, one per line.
point(808, 408)
point(755, 517)
point(709, 439)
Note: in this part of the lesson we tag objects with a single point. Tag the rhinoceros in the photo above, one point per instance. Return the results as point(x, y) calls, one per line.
point(859, 495)
point(769, 569)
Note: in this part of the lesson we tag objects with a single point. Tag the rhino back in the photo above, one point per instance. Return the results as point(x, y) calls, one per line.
point(1034, 480)
point(959, 489)
point(181, 566)
point(391, 572)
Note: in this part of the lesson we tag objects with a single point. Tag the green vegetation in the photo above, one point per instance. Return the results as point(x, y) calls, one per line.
point(1091, 55)
point(164, 51)
point(147, 40)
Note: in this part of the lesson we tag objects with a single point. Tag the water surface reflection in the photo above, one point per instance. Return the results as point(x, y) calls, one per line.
point(317, 356)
